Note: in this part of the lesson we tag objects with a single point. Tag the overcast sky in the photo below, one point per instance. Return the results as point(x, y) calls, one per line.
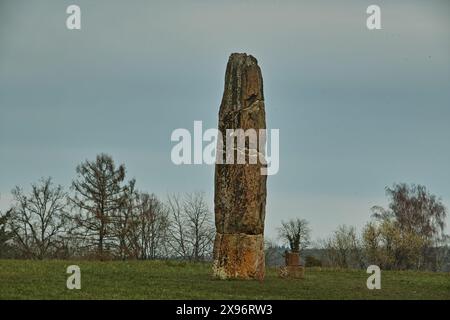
point(357, 110)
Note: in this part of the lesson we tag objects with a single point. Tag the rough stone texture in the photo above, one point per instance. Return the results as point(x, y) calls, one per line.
point(292, 259)
point(243, 256)
point(293, 269)
point(240, 189)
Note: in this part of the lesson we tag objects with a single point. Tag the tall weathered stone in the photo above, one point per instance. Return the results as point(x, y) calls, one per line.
point(240, 189)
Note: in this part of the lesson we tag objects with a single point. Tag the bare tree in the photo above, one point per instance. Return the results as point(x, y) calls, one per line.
point(177, 229)
point(99, 194)
point(149, 229)
point(295, 233)
point(343, 249)
point(123, 220)
point(415, 210)
point(272, 252)
point(389, 247)
point(417, 217)
point(5, 234)
point(200, 229)
point(191, 230)
point(37, 219)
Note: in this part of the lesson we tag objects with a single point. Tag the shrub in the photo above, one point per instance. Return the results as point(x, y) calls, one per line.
point(311, 261)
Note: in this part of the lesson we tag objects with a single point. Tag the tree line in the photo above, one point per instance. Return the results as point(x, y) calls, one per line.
point(409, 234)
point(104, 216)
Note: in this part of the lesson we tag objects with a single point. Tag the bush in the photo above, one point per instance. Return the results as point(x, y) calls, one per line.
point(311, 261)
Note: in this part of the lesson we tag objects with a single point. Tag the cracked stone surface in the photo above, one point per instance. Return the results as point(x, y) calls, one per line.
point(240, 189)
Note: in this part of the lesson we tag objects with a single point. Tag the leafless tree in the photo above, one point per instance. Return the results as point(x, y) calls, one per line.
point(99, 194)
point(123, 219)
point(419, 216)
point(191, 230)
point(149, 229)
point(272, 252)
point(390, 247)
point(199, 225)
point(415, 210)
point(296, 233)
point(37, 219)
point(5, 234)
point(343, 249)
point(177, 229)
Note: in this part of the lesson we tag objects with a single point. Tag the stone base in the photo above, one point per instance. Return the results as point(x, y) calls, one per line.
point(292, 258)
point(239, 256)
point(296, 272)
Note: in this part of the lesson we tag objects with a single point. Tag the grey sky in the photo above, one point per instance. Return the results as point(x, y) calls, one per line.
point(357, 109)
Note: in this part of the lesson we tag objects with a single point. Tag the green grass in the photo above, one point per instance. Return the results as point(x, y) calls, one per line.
point(178, 280)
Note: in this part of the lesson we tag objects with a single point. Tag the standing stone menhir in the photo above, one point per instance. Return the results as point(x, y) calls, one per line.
point(240, 189)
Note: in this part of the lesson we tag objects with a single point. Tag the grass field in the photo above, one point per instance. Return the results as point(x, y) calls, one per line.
point(178, 280)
